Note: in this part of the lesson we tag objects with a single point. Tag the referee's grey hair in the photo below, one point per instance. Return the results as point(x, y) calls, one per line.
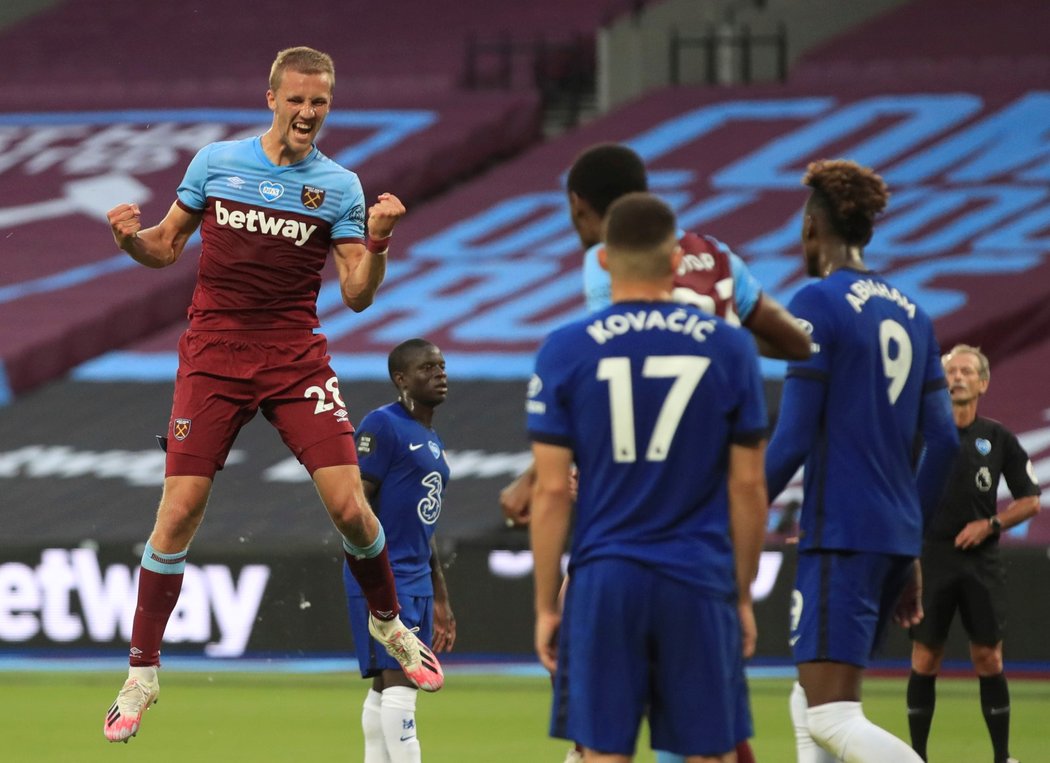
point(984, 371)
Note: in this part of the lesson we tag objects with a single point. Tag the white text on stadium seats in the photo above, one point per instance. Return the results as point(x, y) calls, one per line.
point(136, 467)
point(68, 597)
point(257, 221)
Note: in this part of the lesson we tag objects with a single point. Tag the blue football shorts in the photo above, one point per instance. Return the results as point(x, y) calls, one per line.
point(635, 643)
point(842, 603)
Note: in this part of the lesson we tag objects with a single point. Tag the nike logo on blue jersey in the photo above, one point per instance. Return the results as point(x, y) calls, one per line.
point(415, 446)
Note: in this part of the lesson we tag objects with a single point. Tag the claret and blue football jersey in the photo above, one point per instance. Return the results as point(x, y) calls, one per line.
point(711, 277)
point(265, 233)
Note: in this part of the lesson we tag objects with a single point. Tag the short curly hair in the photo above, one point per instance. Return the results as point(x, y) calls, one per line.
point(852, 195)
point(605, 172)
point(401, 356)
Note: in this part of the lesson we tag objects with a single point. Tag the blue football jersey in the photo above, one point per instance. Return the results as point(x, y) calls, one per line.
point(875, 354)
point(407, 462)
point(649, 396)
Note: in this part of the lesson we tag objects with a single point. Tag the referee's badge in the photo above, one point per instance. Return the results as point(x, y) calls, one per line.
point(984, 479)
point(984, 447)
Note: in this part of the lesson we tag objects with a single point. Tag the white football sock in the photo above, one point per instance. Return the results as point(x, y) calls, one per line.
point(398, 714)
point(372, 725)
point(808, 750)
point(842, 728)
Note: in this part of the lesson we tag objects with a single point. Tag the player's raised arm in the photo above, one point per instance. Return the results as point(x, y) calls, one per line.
point(155, 247)
point(776, 331)
point(362, 267)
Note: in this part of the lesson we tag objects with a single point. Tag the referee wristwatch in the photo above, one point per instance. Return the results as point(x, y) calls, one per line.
point(996, 525)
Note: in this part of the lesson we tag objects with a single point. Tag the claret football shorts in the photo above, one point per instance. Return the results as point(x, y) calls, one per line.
point(226, 377)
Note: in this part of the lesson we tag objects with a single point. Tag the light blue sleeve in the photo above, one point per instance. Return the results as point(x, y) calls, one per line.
point(191, 190)
point(746, 288)
point(597, 288)
point(351, 222)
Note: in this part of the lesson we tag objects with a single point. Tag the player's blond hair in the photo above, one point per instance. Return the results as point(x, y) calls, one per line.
point(984, 371)
point(303, 60)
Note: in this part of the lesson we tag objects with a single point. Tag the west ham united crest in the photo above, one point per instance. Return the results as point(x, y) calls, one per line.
point(180, 429)
point(311, 197)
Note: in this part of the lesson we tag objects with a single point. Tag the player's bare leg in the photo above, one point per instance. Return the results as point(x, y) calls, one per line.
point(160, 581)
point(366, 554)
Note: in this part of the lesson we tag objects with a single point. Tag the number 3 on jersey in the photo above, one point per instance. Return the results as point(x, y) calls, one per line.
point(686, 370)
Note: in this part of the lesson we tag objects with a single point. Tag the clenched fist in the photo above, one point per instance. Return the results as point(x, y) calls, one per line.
point(126, 222)
point(384, 214)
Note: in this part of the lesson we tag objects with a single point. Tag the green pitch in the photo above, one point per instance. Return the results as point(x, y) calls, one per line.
point(276, 717)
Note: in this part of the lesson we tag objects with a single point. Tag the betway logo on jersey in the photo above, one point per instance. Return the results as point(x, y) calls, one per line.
point(68, 597)
point(257, 221)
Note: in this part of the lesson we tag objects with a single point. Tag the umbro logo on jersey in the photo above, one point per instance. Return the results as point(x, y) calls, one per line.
point(311, 197)
point(235, 181)
point(270, 190)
